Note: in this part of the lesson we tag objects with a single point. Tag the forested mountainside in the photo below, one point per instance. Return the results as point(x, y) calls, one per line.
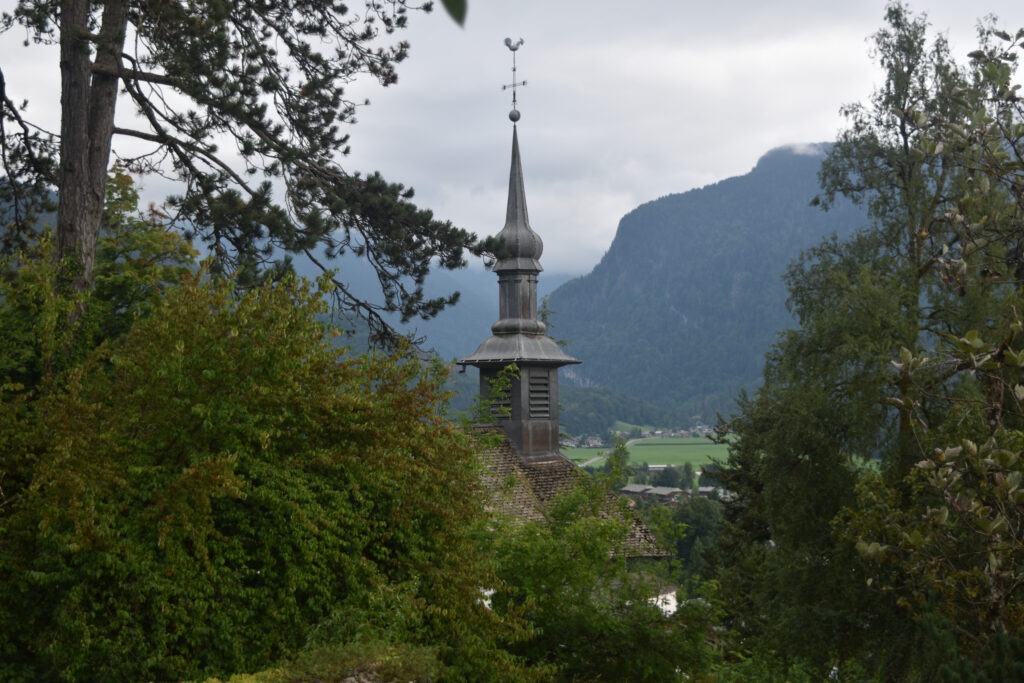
point(682, 308)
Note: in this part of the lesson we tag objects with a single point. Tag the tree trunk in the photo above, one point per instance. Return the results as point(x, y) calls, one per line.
point(88, 100)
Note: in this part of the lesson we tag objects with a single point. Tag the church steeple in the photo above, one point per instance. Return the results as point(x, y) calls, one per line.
point(524, 244)
point(530, 414)
point(517, 292)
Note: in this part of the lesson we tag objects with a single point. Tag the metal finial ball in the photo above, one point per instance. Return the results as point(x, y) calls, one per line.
point(514, 115)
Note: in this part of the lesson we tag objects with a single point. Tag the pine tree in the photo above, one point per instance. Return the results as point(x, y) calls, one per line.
point(244, 103)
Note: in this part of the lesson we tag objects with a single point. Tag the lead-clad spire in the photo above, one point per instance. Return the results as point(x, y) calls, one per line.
point(529, 412)
point(518, 333)
point(524, 245)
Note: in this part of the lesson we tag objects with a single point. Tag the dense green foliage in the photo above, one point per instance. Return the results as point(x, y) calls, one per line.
point(570, 577)
point(201, 482)
point(689, 530)
point(219, 487)
point(859, 519)
point(950, 546)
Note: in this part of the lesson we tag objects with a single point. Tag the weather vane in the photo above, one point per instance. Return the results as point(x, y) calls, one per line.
point(514, 114)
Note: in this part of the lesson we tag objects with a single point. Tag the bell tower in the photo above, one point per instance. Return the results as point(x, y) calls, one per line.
point(528, 413)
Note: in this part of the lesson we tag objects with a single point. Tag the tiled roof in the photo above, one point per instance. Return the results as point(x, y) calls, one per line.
point(663, 491)
point(523, 489)
point(510, 489)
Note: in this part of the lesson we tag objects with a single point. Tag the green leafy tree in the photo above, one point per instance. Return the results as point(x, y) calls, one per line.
point(777, 562)
point(245, 104)
point(616, 466)
point(689, 531)
point(899, 159)
point(847, 389)
point(592, 614)
point(138, 259)
point(688, 477)
point(667, 476)
point(946, 541)
point(947, 547)
point(702, 518)
point(943, 540)
point(213, 488)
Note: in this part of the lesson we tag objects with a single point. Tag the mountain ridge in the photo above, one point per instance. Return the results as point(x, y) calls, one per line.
point(689, 296)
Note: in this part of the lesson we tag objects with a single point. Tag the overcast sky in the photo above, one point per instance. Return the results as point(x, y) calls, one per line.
point(626, 101)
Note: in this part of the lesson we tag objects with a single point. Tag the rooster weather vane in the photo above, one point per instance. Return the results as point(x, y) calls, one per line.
point(514, 114)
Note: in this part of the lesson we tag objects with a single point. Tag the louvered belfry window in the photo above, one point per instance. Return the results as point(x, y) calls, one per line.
point(540, 396)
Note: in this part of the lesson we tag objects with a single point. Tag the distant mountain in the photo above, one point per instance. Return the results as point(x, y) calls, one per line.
point(682, 308)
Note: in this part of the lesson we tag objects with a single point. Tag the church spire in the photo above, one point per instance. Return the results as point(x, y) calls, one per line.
point(531, 420)
point(524, 245)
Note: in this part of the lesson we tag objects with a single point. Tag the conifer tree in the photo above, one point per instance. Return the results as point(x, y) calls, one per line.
point(244, 103)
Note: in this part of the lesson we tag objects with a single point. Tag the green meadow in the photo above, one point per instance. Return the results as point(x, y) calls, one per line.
point(657, 451)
